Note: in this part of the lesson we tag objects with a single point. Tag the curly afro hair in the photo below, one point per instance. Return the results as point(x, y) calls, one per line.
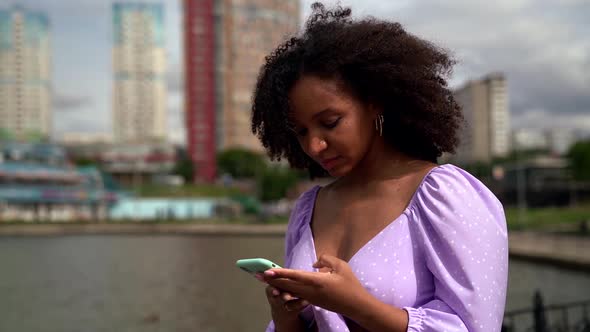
point(381, 64)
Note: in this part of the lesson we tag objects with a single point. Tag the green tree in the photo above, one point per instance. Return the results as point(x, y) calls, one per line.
point(481, 170)
point(520, 155)
point(6, 135)
point(241, 163)
point(184, 167)
point(84, 161)
point(579, 159)
point(35, 136)
point(274, 182)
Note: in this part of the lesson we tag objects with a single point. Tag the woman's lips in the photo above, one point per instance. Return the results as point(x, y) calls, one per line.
point(330, 162)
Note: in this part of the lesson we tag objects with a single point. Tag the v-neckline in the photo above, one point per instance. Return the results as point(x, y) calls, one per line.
point(394, 221)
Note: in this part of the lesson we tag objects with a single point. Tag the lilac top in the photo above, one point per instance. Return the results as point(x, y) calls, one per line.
point(444, 259)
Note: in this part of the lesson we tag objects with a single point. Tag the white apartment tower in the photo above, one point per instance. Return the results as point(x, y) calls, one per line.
point(139, 61)
point(25, 74)
point(487, 131)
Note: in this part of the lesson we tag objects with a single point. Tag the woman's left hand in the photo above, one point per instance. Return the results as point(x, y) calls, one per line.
point(337, 290)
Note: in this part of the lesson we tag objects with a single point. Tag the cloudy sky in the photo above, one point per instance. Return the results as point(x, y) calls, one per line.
point(542, 46)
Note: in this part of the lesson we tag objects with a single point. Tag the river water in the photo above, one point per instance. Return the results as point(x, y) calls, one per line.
point(175, 283)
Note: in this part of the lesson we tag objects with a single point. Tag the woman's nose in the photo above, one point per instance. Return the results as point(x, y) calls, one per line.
point(316, 145)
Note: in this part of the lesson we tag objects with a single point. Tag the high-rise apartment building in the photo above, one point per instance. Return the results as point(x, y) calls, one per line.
point(485, 108)
point(139, 61)
point(25, 73)
point(225, 45)
point(251, 29)
point(200, 83)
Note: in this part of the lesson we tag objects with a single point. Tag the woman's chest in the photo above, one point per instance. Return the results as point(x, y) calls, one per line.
point(343, 231)
point(389, 265)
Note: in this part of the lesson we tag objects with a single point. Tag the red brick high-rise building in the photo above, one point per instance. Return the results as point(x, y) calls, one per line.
point(225, 44)
point(199, 55)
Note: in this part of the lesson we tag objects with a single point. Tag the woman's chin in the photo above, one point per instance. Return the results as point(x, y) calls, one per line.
point(338, 171)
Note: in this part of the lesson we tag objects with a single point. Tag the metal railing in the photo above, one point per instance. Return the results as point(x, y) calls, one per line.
point(567, 317)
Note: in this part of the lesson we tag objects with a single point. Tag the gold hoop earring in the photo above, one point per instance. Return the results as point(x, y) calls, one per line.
point(379, 124)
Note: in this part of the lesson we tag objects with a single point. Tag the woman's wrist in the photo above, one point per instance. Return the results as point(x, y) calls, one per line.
point(374, 315)
point(291, 323)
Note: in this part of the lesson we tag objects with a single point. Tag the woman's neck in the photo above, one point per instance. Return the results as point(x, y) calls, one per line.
point(381, 163)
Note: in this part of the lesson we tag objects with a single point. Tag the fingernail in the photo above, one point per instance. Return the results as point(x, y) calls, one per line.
point(269, 273)
point(259, 277)
point(275, 292)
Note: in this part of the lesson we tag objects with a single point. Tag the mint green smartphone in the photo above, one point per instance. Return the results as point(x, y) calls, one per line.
point(256, 265)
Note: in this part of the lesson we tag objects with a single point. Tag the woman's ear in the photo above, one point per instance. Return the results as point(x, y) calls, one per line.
point(374, 110)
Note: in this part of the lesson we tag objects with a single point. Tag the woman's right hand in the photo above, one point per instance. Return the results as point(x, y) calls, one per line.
point(284, 307)
point(284, 303)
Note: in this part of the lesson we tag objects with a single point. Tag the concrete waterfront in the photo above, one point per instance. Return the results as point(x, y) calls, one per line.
point(141, 229)
point(565, 250)
point(571, 251)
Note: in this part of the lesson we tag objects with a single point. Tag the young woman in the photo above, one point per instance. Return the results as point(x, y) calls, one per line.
point(395, 242)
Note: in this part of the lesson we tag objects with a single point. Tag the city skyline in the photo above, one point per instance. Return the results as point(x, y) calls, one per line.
point(541, 47)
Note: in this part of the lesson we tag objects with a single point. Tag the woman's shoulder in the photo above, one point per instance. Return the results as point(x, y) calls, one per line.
point(300, 216)
point(306, 200)
point(303, 207)
point(452, 207)
point(448, 178)
point(451, 186)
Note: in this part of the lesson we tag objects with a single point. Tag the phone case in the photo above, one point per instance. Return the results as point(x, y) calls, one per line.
point(255, 265)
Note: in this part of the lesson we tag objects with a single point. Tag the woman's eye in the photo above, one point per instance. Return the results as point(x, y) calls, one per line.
point(332, 124)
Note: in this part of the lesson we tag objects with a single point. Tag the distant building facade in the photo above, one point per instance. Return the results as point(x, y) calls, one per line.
point(136, 164)
point(38, 183)
point(529, 139)
point(560, 140)
point(250, 31)
point(225, 45)
point(486, 111)
point(25, 73)
point(556, 141)
point(127, 163)
point(84, 138)
point(139, 61)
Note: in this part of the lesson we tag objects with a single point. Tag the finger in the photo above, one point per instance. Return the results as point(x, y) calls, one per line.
point(310, 278)
point(328, 261)
point(294, 288)
point(296, 305)
point(260, 277)
point(272, 292)
point(286, 296)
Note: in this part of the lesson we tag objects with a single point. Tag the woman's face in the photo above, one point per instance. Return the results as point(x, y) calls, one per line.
point(333, 128)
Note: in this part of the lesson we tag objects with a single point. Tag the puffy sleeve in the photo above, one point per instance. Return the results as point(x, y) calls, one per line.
point(297, 221)
point(462, 228)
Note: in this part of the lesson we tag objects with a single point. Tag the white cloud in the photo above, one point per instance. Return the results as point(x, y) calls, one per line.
point(544, 119)
point(542, 46)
